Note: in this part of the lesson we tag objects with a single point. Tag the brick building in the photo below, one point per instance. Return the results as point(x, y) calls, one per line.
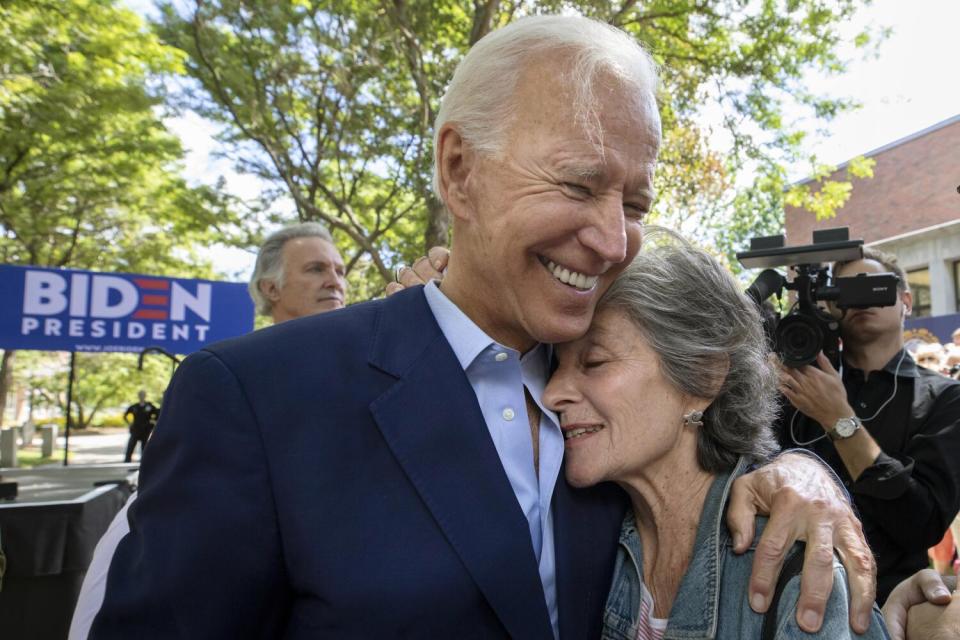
point(911, 208)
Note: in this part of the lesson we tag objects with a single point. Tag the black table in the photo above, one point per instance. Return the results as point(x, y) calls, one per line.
point(48, 535)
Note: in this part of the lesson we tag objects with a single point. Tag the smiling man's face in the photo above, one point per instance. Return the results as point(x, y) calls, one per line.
point(548, 225)
point(313, 280)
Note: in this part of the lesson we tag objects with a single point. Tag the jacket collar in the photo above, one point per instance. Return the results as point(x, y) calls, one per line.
point(432, 423)
point(586, 522)
point(403, 330)
point(700, 588)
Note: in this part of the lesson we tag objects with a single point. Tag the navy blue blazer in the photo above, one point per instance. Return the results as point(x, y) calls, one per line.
point(333, 477)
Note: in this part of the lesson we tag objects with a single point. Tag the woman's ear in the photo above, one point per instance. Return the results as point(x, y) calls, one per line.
point(714, 377)
point(713, 382)
point(455, 162)
point(698, 404)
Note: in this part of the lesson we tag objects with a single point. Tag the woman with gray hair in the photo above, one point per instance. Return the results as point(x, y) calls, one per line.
point(671, 395)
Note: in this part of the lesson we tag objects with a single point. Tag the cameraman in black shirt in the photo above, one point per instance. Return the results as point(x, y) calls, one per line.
point(889, 428)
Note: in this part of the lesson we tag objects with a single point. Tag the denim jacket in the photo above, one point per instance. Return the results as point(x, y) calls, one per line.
point(712, 600)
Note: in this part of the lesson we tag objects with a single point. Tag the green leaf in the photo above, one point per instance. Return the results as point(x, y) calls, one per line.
point(332, 103)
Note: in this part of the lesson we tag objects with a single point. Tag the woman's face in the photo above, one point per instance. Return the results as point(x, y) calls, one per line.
point(620, 416)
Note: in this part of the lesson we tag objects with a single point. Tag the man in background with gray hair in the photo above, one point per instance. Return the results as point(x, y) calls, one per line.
point(299, 272)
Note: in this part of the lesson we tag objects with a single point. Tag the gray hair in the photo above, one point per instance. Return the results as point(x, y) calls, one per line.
point(480, 96)
point(270, 260)
point(708, 339)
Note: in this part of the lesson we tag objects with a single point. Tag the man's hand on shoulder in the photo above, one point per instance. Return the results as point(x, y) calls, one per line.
point(805, 503)
point(424, 269)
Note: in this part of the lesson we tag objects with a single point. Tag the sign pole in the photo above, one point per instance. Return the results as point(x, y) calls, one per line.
point(66, 439)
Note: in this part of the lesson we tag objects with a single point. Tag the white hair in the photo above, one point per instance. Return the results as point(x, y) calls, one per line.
point(270, 264)
point(480, 98)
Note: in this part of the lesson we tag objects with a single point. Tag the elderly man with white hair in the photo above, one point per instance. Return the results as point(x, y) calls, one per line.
point(390, 470)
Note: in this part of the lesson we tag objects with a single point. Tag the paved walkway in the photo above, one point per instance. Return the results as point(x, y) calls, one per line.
point(95, 449)
point(55, 483)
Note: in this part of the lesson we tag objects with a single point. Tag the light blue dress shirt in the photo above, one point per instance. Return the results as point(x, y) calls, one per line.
point(498, 376)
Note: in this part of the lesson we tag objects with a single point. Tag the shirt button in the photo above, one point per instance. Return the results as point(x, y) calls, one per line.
point(500, 357)
point(863, 405)
point(508, 414)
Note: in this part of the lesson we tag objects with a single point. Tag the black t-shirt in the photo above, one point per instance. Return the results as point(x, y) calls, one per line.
point(910, 495)
point(144, 417)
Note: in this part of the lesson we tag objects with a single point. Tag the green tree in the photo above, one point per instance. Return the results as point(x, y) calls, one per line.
point(332, 102)
point(105, 382)
point(89, 176)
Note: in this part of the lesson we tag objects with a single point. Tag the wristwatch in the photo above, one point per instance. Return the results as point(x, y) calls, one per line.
point(844, 428)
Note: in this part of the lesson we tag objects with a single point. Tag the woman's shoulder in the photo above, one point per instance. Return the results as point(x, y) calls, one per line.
point(836, 619)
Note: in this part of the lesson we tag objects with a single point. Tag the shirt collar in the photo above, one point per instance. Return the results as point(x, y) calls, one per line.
point(535, 365)
point(908, 368)
point(466, 339)
point(469, 341)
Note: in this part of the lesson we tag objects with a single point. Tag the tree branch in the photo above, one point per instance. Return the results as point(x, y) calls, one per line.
point(483, 13)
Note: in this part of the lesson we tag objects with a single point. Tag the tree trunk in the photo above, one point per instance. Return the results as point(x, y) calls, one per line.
point(483, 13)
point(93, 412)
point(78, 421)
point(437, 233)
point(6, 379)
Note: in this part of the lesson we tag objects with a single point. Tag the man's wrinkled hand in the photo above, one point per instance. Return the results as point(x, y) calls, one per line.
point(804, 503)
point(424, 269)
point(909, 613)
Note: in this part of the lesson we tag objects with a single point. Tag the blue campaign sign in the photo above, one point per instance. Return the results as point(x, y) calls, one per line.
point(72, 310)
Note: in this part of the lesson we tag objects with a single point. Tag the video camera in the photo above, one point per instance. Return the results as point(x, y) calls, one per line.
point(807, 329)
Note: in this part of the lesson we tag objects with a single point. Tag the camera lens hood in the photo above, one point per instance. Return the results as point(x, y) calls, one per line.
point(799, 340)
